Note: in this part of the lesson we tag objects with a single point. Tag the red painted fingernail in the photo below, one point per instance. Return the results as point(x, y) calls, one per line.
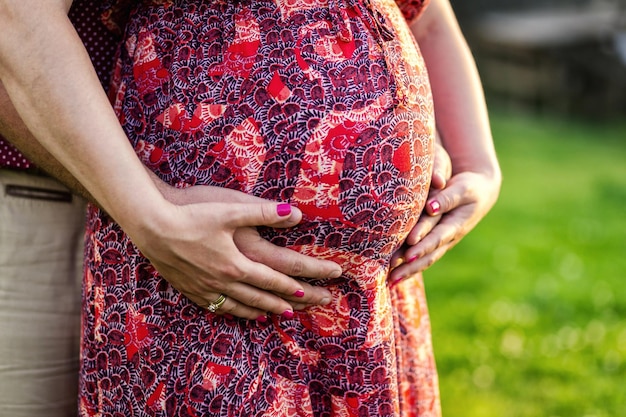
point(228, 316)
point(261, 319)
point(435, 206)
point(397, 281)
point(288, 314)
point(283, 209)
point(412, 259)
point(299, 294)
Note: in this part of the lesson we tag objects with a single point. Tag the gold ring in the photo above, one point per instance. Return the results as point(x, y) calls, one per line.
point(217, 304)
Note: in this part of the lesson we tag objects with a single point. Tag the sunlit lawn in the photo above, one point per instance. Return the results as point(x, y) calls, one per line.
point(529, 311)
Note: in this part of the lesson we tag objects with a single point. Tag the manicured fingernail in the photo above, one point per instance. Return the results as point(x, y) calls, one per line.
point(399, 261)
point(283, 209)
point(299, 294)
point(261, 319)
point(434, 206)
point(336, 273)
point(412, 259)
point(397, 281)
point(288, 314)
point(228, 316)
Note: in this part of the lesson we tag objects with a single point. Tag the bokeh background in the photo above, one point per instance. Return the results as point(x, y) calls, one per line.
point(529, 310)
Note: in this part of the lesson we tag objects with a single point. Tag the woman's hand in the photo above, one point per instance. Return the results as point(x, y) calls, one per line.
point(441, 173)
point(463, 123)
point(233, 259)
point(451, 214)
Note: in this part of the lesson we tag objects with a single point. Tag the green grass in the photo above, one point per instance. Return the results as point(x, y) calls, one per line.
point(529, 310)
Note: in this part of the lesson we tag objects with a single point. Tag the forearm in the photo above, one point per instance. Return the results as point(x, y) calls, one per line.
point(50, 80)
point(15, 131)
point(460, 108)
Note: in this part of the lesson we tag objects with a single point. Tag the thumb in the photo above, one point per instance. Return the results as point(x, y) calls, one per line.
point(442, 167)
point(264, 214)
point(443, 201)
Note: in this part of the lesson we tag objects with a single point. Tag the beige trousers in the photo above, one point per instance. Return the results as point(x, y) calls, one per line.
point(41, 236)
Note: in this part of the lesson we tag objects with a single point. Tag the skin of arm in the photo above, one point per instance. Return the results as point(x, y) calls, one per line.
point(15, 131)
point(462, 122)
point(72, 118)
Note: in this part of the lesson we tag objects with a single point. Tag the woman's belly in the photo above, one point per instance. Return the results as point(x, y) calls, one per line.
point(330, 112)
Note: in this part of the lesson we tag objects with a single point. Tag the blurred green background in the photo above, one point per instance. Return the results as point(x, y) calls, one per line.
point(528, 311)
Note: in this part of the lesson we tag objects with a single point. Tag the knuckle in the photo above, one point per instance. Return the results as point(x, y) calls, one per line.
point(233, 273)
point(229, 308)
point(430, 261)
point(446, 201)
point(297, 268)
point(268, 214)
point(254, 300)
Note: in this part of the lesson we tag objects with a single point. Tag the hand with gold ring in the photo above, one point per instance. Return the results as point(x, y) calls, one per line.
point(256, 276)
point(213, 306)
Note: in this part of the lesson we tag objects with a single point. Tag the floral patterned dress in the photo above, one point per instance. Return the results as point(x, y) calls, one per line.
point(321, 103)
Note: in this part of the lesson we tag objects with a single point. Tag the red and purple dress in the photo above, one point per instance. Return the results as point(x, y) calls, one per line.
point(324, 104)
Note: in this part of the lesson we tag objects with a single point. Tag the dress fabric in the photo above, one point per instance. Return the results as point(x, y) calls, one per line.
point(324, 104)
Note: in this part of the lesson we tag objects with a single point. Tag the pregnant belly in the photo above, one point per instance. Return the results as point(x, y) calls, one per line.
point(339, 126)
point(361, 182)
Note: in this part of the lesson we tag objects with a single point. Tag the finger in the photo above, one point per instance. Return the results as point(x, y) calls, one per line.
point(398, 257)
point(201, 193)
point(423, 227)
point(450, 229)
point(442, 167)
point(289, 262)
point(408, 270)
point(438, 179)
point(233, 308)
point(261, 300)
point(257, 284)
point(243, 280)
point(313, 295)
point(446, 200)
point(281, 259)
point(298, 306)
point(441, 235)
point(267, 214)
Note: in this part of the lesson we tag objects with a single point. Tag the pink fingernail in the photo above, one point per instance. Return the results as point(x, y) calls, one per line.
point(412, 259)
point(299, 294)
point(288, 314)
point(283, 209)
point(434, 206)
point(397, 281)
point(261, 319)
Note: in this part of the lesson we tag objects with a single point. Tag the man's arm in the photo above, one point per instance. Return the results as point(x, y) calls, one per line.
point(15, 131)
point(52, 84)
